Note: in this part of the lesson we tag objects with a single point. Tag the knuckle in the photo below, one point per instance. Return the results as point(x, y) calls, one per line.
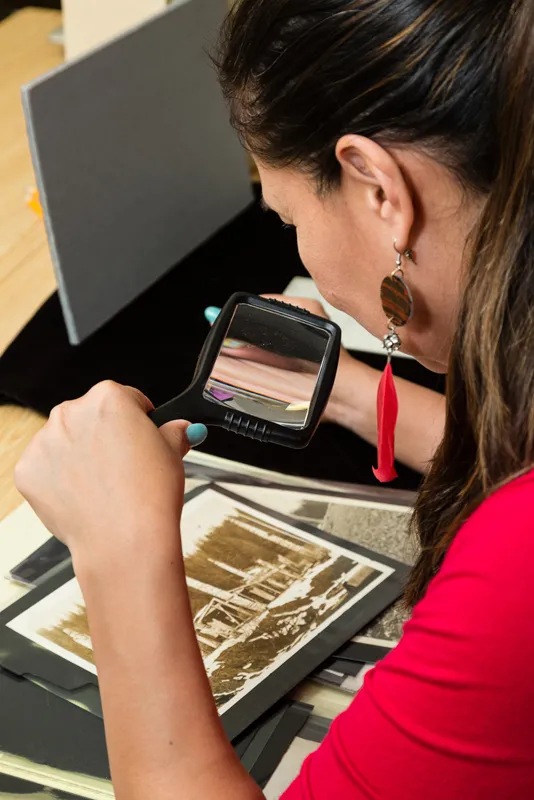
point(106, 392)
point(23, 471)
point(19, 474)
point(58, 413)
point(105, 387)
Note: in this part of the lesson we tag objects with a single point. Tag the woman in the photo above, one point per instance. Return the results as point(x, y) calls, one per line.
point(375, 125)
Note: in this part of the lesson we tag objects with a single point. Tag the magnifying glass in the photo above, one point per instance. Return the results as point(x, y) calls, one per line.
point(266, 371)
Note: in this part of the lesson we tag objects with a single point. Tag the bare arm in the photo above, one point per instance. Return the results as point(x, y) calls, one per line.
point(353, 404)
point(421, 412)
point(109, 484)
point(163, 732)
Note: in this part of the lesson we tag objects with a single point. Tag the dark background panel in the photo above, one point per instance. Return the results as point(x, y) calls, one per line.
point(8, 6)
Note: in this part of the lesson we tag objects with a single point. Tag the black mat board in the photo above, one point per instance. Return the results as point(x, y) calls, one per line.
point(315, 728)
point(273, 738)
point(48, 730)
point(351, 668)
point(154, 343)
point(364, 653)
point(261, 737)
point(36, 566)
point(279, 743)
point(327, 677)
point(242, 742)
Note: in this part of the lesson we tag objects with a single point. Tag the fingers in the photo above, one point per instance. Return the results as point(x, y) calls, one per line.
point(181, 436)
point(174, 434)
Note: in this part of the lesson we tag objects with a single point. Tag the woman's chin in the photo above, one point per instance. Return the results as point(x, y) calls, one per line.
point(433, 366)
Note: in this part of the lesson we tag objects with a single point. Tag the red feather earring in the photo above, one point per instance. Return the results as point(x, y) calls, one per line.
point(397, 302)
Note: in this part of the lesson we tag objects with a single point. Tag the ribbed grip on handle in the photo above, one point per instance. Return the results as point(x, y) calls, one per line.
point(252, 429)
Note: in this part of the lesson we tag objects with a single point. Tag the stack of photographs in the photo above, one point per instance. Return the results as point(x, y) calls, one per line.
point(272, 599)
point(304, 744)
point(282, 572)
point(347, 668)
point(261, 749)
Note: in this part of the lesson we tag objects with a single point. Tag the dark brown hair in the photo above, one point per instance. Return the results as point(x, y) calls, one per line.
point(455, 78)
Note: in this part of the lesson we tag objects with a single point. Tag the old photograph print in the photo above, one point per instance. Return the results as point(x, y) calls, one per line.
point(379, 526)
point(59, 623)
point(260, 590)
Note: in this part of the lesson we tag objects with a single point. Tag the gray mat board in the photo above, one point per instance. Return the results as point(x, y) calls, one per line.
point(136, 162)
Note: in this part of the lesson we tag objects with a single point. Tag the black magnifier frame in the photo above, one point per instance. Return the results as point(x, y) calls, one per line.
point(194, 406)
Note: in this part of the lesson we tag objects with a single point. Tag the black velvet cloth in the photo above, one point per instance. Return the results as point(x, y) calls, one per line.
point(154, 343)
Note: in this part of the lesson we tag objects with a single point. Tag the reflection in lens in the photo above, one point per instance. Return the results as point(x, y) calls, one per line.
point(268, 366)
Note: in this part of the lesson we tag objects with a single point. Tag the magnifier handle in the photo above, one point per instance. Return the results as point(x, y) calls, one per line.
point(232, 421)
point(256, 429)
point(183, 407)
point(262, 431)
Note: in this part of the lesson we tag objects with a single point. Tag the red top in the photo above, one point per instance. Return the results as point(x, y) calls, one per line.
point(449, 714)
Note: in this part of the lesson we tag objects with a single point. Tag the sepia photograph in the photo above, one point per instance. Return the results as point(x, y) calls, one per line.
point(260, 590)
point(58, 622)
point(381, 527)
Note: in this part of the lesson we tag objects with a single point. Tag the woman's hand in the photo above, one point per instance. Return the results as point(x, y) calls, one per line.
point(110, 485)
point(101, 476)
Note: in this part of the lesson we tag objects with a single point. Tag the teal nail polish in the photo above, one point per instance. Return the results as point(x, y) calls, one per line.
point(211, 314)
point(196, 434)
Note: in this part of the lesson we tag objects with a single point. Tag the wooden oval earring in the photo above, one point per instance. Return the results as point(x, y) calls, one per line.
point(397, 303)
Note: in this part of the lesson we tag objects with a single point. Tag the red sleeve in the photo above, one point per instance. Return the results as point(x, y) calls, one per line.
point(449, 714)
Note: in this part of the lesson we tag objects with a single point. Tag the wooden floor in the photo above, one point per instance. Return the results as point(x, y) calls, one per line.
point(26, 274)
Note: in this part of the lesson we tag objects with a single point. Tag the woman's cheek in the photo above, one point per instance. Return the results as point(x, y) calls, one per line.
point(318, 260)
point(342, 282)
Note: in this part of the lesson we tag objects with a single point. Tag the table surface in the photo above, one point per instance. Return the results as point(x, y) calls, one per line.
point(26, 272)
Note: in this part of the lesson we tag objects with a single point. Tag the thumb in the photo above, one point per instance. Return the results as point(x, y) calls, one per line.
point(181, 436)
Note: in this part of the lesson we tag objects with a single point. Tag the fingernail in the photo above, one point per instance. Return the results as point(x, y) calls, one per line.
point(211, 314)
point(196, 434)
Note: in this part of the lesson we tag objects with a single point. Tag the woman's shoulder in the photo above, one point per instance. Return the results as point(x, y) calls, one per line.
point(518, 491)
point(485, 583)
point(503, 522)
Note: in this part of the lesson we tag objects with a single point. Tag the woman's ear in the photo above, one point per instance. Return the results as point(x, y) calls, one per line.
point(369, 166)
